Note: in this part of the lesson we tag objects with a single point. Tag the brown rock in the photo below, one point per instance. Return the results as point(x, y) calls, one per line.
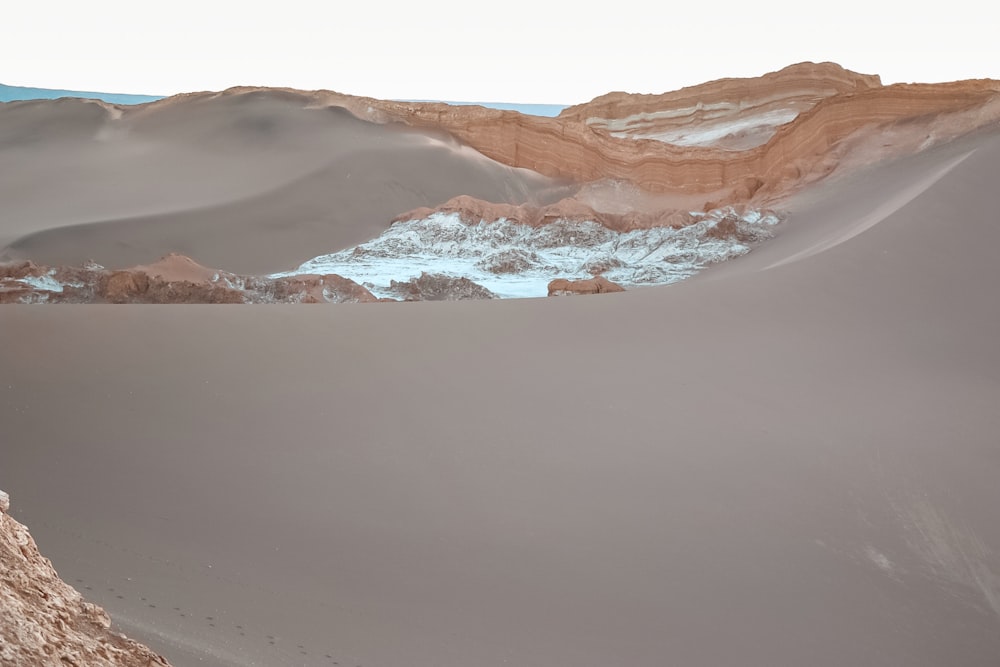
point(125, 286)
point(436, 287)
point(607, 138)
point(173, 279)
point(44, 621)
point(179, 268)
point(329, 288)
point(18, 270)
point(790, 128)
point(595, 285)
point(570, 209)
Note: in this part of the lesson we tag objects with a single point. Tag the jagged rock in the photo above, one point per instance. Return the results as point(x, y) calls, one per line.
point(436, 287)
point(173, 279)
point(44, 621)
point(807, 109)
point(569, 209)
point(595, 285)
point(310, 288)
point(599, 265)
point(124, 286)
point(136, 286)
point(19, 270)
point(509, 261)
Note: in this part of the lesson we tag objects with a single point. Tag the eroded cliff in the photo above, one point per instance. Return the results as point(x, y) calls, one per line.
point(44, 621)
point(723, 142)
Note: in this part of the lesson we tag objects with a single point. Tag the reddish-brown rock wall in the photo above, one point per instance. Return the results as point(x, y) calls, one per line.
point(831, 103)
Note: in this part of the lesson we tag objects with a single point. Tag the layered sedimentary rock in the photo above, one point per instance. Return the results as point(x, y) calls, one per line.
point(173, 279)
point(798, 152)
point(830, 105)
point(733, 114)
point(725, 142)
point(45, 621)
point(624, 162)
point(807, 110)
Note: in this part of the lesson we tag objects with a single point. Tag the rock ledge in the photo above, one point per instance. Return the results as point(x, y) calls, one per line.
point(45, 621)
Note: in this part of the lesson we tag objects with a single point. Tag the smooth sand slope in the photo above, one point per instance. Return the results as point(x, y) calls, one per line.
point(794, 465)
point(253, 183)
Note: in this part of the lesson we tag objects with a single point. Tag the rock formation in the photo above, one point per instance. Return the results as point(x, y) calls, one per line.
point(44, 621)
point(677, 142)
point(731, 114)
point(595, 285)
point(569, 209)
point(173, 279)
point(608, 137)
point(725, 142)
point(436, 287)
point(628, 162)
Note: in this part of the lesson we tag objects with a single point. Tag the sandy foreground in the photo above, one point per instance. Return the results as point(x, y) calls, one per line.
point(791, 459)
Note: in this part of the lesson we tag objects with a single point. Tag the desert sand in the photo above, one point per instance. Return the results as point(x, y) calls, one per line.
point(250, 184)
point(789, 459)
point(44, 621)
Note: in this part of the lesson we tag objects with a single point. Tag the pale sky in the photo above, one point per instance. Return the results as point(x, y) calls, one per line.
point(511, 51)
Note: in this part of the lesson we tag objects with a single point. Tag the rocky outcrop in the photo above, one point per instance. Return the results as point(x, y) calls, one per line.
point(595, 285)
point(44, 621)
point(630, 162)
point(795, 155)
point(437, 287)
point(173, 279)
point(829, 105)
point(569, 209)
point(312, 288)
point(730, 114)
point(726, 142)
point(802, 82)
point(608, 138)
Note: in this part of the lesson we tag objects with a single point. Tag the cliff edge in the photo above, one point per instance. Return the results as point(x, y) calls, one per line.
point(45, 621)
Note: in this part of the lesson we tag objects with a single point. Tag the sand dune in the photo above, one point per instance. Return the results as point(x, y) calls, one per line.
point(252, 184)
point(788, 459)
point(774, 463)
point(261, 180)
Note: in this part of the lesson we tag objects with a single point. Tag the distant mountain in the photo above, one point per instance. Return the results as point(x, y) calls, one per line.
point(14, 93)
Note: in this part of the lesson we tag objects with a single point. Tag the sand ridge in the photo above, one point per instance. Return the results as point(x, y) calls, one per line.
point(789, 459)
point(251, 185)
point(784, 466)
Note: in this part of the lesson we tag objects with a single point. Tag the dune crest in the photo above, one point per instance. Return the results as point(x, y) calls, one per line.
point(296, 173)
point(725, 142)
point(790, 459)
point(675, 142)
